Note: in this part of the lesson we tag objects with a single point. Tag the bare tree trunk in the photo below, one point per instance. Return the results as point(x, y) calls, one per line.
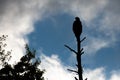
point(79, 65)
point(78, 53)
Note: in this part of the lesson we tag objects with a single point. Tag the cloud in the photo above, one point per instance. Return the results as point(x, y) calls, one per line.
point(115, 75)
point(94, 44)
point(94, 74)
point(17, 19)
point(55, 70)
point(110, 23)
point(87, 10)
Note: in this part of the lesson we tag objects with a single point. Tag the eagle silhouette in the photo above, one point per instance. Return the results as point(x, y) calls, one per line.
point(77, 28)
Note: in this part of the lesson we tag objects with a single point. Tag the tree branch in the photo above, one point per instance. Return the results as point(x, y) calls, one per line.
point(82, 53)
point(83, 39)
point(75, 78)
point(72, 70)
point(70, 49)
point(81, 50)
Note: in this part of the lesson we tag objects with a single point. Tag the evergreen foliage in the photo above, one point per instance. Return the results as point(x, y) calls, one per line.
point(25, 69)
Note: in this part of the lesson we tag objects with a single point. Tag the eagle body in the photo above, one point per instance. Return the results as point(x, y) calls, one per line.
point(77, 28)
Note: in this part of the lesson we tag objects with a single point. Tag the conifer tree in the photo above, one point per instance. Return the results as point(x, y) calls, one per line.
point(25, 69)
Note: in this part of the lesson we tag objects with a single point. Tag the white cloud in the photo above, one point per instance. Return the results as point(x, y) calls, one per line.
point(16, 25)
point(87, 9)
point(115, 75)
point(111, 20)
point(94, 74)
point(94, 45)
point(17, 18)
point(55, 70)
point(110, 25)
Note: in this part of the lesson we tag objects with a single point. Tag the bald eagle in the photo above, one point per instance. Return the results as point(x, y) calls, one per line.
point(77, 28)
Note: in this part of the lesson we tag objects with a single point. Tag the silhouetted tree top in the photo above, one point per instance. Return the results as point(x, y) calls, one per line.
point(25, 69)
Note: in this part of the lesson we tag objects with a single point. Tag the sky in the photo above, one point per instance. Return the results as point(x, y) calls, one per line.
point(46, 25)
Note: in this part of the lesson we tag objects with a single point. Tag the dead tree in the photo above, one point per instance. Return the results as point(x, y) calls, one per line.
point(77, 29)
